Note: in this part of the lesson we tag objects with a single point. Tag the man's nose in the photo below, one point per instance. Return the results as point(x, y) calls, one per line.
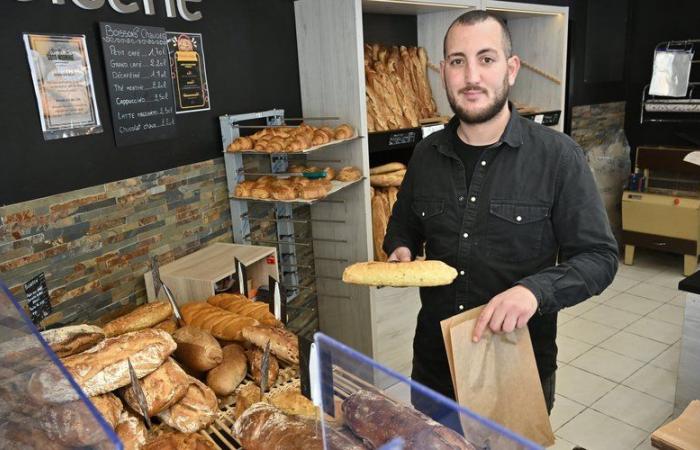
point(471, 73)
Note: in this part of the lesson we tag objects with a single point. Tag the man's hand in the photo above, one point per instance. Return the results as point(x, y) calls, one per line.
point(508, 310)
point(401, 254)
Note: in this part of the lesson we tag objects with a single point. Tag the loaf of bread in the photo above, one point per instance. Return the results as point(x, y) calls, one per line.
point(180, 441)
point(283, 344)
point(197, 349)
point(225, 378)
point(414, 273)
point(131, 431)
point(392, 194)
point(291, 401)
point(240, 304)
point(168, 325)
point(195, 411)
point(246, 396)
point(104, 368)
point(386, 168)
point(163, 388)
point(73, 339)
point(264, 427)
point(348, 173)
point(218, 322)
point(255, 357)
point(145, 316)
point(380, 220)
point(387, 179)
point(377, 420)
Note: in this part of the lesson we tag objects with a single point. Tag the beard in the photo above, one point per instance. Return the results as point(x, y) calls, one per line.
point(488, 112)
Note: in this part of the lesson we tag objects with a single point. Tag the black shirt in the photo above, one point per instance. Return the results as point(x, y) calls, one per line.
point(468, 154)
point(531, 198)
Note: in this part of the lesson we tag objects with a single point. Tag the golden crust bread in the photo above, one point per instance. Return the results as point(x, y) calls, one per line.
point(414, 273)
point(386, 168)
point(145, 316)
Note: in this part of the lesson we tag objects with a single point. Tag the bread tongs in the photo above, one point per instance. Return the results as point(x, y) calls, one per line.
point(264, 367)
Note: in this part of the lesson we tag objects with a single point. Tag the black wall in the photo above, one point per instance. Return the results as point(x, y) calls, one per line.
point(251, 60)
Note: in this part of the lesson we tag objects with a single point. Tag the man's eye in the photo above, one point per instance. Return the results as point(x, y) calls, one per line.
point(456, 62)
point(488, 59)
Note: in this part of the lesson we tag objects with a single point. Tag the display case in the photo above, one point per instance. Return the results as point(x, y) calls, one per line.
point(354, 407)
point(29, 423)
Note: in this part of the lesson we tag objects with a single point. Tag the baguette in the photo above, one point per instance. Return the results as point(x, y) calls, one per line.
point(162, 388)
point(255, 356)
point(387, 168)
point(388, 179)
point(73, 339)
point(104, 368)
point(195, 411)
point(197, 349)
point(220, 323)
point(239, 304)
point(414, 273)
point(145, 316)
point(225, 378)
point(283, 343)
point(380, 221)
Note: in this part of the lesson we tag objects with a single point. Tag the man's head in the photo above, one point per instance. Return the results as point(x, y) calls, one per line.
point(479, 68)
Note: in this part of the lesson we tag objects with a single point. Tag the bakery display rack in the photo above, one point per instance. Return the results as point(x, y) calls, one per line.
point(336, 186)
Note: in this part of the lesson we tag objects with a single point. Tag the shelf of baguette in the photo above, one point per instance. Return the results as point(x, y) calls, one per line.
point(293, 187)
point(196, 378)
point(302, 138)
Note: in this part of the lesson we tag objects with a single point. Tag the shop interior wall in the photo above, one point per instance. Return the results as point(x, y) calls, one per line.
point(251, 62)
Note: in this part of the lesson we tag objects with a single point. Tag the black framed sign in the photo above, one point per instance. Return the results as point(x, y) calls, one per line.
point(188, 72)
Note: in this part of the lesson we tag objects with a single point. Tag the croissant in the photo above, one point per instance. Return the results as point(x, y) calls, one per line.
point(330, 173)
point(244, 188)
point(295, 168)
point(283, 193)
point(349, 173)
point(344, 131)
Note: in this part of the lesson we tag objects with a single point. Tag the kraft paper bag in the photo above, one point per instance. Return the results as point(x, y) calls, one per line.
point(497, 378)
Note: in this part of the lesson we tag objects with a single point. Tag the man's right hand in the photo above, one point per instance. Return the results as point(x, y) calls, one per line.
point(401, 254)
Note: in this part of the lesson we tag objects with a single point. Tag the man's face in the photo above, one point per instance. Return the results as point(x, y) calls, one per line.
point(476, 72)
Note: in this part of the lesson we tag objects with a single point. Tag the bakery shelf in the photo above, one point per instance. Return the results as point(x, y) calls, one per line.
point(336, 186)
point(300, 152)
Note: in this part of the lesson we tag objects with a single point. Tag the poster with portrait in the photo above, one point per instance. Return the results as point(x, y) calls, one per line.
point(188, 71)
point(63, 85)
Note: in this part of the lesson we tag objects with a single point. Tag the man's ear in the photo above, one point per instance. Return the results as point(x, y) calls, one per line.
point(513, 69)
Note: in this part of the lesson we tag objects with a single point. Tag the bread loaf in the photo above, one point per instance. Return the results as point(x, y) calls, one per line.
point(73, 339)
point(283, 344)
point(180, 441)
point(197, 349)
point(145, 316)
point(377, 420)
point(104, 368)
point(255, 357)
point(246, 396)
point(414, 273)
point(380, 220)
point(195, 411)
point(291, 401)
point(387, 179)
point(264, 427)
point(219, 323)
point(168, 325)
point(239, 304)
point(386, 168)
point(226, 377)
point(131, 431)
point(392, 194)
point(163, 388)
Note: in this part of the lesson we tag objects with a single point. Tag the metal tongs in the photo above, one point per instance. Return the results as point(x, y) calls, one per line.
point(264, 367)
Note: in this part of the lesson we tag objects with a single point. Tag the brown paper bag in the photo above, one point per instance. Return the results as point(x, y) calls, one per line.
point(497, 377)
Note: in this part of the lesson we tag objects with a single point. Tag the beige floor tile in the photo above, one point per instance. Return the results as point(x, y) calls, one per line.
point(581, 386)
point(653, 292)
point(669, 359)
point(621, 283)
point(645, 444)
point(604, 296)
point(638, 273)
point(657, 330)
point(634, 346)
point(563, 317)
point(595, 431)
point(569, 348)
point(668, 313)
point(633, 303)
point(580, 308)
point(660, 383)
point(586, 331)
point(607, 364)
point(612, 317)
point(563, 411)
point(634, 407)
point(679, 300)
point(667, 278)
point(561, 444)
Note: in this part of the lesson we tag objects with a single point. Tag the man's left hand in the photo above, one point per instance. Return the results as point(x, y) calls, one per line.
point(508, 310)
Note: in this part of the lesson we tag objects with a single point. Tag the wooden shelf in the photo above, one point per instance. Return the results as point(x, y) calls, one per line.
point(336, 186)
point(299, 152)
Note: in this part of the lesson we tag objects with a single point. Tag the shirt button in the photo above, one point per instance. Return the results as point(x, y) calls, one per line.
point(473, 199)
point(465, 235)
point(461, 307)
point(461, 272)
point(422, 214)
point(519, 219)
point(461, 198)
point(483, 163)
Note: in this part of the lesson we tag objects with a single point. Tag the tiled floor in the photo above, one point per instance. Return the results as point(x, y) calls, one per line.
point(618, 358)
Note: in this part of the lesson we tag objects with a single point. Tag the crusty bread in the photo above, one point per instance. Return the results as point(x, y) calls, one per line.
point(163, 388)
point(168, 325)
point(180, 441)
point(195, 411)
point(240, 304)
point(144, 316)
point(414, 273)
point(197, 349)
point(392, 194)
point(225, 378)
point(246, 396)
point(264, 427)
point(387, 179)
point(290, 400)
point(386, 168)
point(380, 220)
point(219, 322)
point(283, 344)
point(131, 431)
point(73, 339)
point(255, 357)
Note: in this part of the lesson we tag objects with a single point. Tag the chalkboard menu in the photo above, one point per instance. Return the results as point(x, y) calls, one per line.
point(139, 82)
point(38, 298)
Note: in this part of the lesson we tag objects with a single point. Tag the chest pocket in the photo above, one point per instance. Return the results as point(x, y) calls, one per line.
point(515, 230)
point(425, 209)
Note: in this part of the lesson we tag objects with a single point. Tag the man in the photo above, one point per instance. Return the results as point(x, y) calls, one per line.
point(500, 198)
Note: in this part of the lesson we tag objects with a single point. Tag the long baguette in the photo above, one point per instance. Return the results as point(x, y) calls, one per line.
point(414, 273)
point(386, 168)
point(239, 304)
point(219, 323)
point(387, 179)
point(283, 344)
point(145, 316)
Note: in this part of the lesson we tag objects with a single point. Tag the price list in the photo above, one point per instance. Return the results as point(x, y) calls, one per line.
point(139, 82)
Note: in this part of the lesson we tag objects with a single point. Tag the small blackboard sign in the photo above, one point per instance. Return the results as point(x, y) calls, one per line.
point(38, 298)
point(139, 82)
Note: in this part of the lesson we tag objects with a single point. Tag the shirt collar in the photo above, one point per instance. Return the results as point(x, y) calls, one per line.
point(512, 136)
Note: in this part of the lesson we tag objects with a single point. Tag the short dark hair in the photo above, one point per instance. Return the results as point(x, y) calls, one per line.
point(477, 16)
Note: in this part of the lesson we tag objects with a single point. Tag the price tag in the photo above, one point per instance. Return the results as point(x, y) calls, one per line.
point(38, 298)
point(539, 118)
point(427, 131)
